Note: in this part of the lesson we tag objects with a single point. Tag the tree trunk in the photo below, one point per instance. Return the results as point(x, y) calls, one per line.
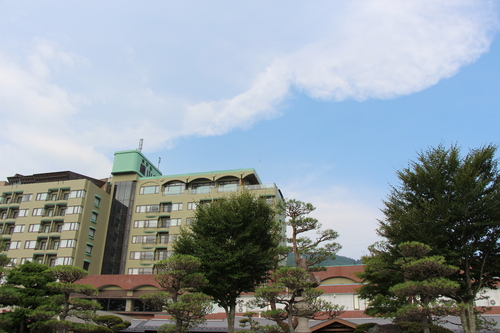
point(230, 314)
point(291, 327)
point(425, 325)
point(468, 317)
point(178, 326)
point(280, 323)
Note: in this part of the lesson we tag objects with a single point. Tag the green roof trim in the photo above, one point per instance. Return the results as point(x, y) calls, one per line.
point(133, 161)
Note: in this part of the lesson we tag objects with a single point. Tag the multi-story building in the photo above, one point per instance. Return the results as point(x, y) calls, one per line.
point(57, 218)
point(121, 225)
point(148, 208)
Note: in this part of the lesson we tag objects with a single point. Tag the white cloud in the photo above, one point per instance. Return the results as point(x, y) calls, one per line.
point(364, 49)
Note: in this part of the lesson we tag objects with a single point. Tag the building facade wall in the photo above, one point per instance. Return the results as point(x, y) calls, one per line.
point(54, 223)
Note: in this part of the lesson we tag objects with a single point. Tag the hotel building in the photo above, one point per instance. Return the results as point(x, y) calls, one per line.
point(120, 225)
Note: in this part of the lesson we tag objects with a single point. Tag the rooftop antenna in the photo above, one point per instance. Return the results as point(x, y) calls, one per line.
point(140, 145)
point(159, 161)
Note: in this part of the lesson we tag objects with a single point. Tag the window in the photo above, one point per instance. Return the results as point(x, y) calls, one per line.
point(3, 215)
point(140, 271)
point(86, 265)
point(202, 187)
point(147, 208)
point(13, 262)
point(94, 216)
point(64, 261)
point(53, 197)
point(71, 226)
point(15, 214)
point(8, 200)
point(145, 224)
point(77, 194)
point(42, 196)
point(192, 205)
point(174, 188)
point(19, 228)
point(91, 232)
point(23, 212)
point(23, 260)
point(15, 245)
point(43, 245)
point(97, 201)
point(65, 196)
point(163, 239)
point(175, 222)
point(170, 207)
point(172, 238)
point(38, 212)
point(46, 228)
point(62, 212)
point(162, 255)
point(149, 189)
point(56, 245)
point(228, 186)
point(73, 210)
point(58, 227)
point(34, 228)
point(30, 245)
point(143, 239)
point(166, 223)
point(88, 249)
point(52, 262)
point(67, 243)
point(143, 255)
point(189, 220)
point(27, 197)
point(50, 212)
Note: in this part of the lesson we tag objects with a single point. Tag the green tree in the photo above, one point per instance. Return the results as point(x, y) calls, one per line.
point(425, 283)
point(114, 323)
point(451, 203)
point(235, 239)
point(25, 289)
point(294, 288)
point(65, 285)
point(312, 251)
point(179, 277)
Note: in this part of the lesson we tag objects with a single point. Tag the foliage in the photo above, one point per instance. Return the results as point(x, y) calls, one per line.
point(363, 328)
point(452, 204)
point(83, 309)
point(235, 239)
point(313, 251)
point(254, 326)
point(415, 327)
point(294, 288)
point(177, 276)
point(114, 323)
point(425, 283)
point(25, 289)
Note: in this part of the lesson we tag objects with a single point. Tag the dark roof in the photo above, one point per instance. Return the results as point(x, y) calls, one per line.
point(51, 177)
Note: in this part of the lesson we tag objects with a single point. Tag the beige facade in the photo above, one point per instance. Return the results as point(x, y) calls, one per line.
point(54, 218)
point(159, 205)
point(122, 225)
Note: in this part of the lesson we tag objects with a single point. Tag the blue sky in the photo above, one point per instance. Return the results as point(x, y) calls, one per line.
point(327, 99)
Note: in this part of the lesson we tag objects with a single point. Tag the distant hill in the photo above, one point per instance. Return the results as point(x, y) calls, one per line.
point(339, 261)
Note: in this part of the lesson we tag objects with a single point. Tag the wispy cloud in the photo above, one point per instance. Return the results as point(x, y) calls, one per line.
point(375, 49)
